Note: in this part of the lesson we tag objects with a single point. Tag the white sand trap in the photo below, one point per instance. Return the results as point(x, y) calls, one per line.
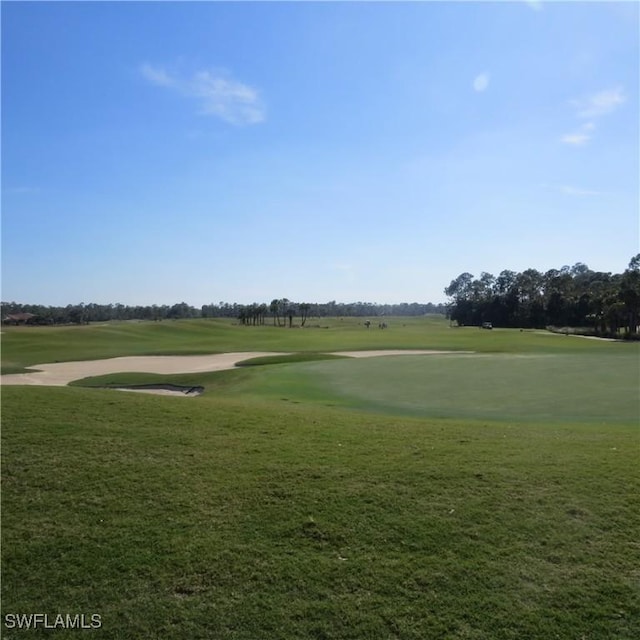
point(60, 374)
point(576, 335)
point(596, 338)
point(158, 392)
point(393, 352)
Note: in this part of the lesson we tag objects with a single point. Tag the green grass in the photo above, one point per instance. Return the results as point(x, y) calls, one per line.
point(287, 359)
point(236, 519)
point(24, 346)
point(591, 388)
point(443, 497)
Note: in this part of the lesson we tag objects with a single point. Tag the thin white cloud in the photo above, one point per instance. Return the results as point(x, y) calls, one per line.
point(577, 139)
point(576, 191)
point(599, 104)
point(157, 76)
point(20, 190)
point(570, 190)
point(591, 108)
point(218, 94)
point(230, 100)
point(481, 82)
point(536, 5)
point(346, 270)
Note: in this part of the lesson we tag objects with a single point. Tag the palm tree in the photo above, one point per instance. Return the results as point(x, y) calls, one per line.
point(273, 307)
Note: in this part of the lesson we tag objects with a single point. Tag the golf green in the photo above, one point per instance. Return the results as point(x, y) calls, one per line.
point(590, 388)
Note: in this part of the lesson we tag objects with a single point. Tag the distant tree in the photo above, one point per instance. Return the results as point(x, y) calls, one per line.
point(460, 289)
point(274, 307)
point(290, 312)
point(630, 294)
point(283, 308)
point(570, 296)
point(304, 312)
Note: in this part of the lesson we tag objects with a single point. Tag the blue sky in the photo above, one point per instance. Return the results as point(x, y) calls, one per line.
point(349, 151)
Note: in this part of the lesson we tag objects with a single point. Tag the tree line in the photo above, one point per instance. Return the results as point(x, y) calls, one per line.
point(280, 312)
point(284, 312)
point(604, 303)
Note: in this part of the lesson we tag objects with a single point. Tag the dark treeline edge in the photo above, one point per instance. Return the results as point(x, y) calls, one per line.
point(601, 303)
point(281, 311)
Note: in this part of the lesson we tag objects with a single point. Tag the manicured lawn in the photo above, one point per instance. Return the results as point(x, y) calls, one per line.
point(24, 346)
point(589, 388)
point(441, 497)
point(598, 388)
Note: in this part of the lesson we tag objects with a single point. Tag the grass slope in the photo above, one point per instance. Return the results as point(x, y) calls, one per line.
point(250, 519)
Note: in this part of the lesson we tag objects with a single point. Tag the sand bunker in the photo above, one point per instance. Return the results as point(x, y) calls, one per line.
point(60, 374)
point(393, 352)
point(162, 390)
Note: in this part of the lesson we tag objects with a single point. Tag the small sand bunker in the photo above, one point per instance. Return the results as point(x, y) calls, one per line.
point(163, 390)
point(394, 352)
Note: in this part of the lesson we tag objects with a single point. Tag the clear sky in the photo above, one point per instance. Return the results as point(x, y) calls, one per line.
point(350, 151)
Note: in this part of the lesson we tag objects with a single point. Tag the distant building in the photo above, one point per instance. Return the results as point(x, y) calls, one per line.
point(18, 318)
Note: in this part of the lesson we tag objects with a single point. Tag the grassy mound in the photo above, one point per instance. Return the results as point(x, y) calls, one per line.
point(287, 359)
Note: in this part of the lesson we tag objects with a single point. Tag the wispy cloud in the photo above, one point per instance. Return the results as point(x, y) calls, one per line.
point(536, 5)
point(20, 190)
point(481, 82)
point(346, 270)
point(599, 104)
point(158, 76)
point(579, 138)
point(571, 190)
point(591, 108)
point(217, 93)
point(576, 191)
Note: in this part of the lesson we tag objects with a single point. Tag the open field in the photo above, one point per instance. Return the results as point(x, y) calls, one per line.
point(487, 496)
point(24, 346)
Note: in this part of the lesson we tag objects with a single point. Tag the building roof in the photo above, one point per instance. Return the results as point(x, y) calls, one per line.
point(19, 317)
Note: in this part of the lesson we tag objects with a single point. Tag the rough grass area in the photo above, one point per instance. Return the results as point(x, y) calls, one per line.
point(236, 518)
